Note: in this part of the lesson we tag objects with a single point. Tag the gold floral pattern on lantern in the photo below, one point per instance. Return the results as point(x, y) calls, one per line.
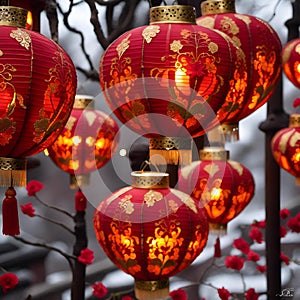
point(164, 247)
point(150, 32)
point(57, 85)
point(123, 245)
point(126, 205)
point(123, 46)
point(151, 197)
point(22, 37)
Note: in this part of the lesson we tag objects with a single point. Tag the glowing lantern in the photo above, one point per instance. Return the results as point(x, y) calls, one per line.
point(151, 232)
point(87, 142)
point(291, 61)
point(170, 78)
point(222, 186)
point(260, 66)
point(286, 147)
point(38, 84)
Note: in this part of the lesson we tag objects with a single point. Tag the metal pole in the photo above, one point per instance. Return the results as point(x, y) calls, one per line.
point(276, 120)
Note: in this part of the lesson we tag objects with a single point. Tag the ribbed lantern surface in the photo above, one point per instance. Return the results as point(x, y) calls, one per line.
point(87, 142)
point(291, 61)
point(168, 78)
point(285, 147)
point(151, 231)
point(259, 67)
point(223, 187)
point(37, 88)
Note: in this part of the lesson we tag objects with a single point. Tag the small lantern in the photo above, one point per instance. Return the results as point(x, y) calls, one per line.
point(259, 66)
point(87, 142)
point(151, 232)
point(38, 84)
point(285, 147)
point(222, 186)
point(291, 61)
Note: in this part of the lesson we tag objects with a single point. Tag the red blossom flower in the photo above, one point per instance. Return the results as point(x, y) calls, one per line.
point(284, 213)
point(261, 269)
point(217, 246)
point(223, 293)
point(8, 281)
point(127, 298)
point(241, 245)
point(253, 256)
point(86, 256)
point(256, 235)
point(283, 231)
point(296, 102)
point(179, 294)
point(294, 223)
point(251, 294)
point(27, 209)
point(100, 290)
point(234, 262)
point(33, 187)
point(259, 224)
point(284, 258)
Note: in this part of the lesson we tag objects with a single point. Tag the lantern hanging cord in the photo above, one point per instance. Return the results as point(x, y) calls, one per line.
point(148, 163)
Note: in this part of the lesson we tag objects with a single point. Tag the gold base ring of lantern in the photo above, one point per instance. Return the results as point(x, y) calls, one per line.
point(149, 290)
point(173, 150)
point(218, 229)
point(12, 171)
point(231, 132)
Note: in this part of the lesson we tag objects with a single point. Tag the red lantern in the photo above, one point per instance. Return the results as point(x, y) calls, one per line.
point(151, 232)
point(291, 61)
point(222, 186)
point(285, 146)
point(168, 79)
point(259, 66)
point(37, 88)
point(87, 142)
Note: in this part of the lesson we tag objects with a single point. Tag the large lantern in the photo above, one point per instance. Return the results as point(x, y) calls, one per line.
point(260, 67)
point(151, 232)
point(224, 187)
point(170, 78)
point(87, 142)
point(291, 61)
point(285, 147)
point(37, 89)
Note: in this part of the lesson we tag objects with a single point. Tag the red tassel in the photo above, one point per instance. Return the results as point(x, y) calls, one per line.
point(10, 218)
point(80, 201)
point(217, 246)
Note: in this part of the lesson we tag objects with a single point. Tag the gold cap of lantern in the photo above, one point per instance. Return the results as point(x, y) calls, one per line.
point(158, 289)
point(13, 16)
point(147, 180)
point(217, 7)
point(173, 14)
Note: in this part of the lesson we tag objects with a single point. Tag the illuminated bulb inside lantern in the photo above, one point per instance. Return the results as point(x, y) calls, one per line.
point(296, 156)
point(29, 20)
point(100, 143)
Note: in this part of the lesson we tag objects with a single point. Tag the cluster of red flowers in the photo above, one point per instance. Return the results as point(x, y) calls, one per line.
point(236, 262)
